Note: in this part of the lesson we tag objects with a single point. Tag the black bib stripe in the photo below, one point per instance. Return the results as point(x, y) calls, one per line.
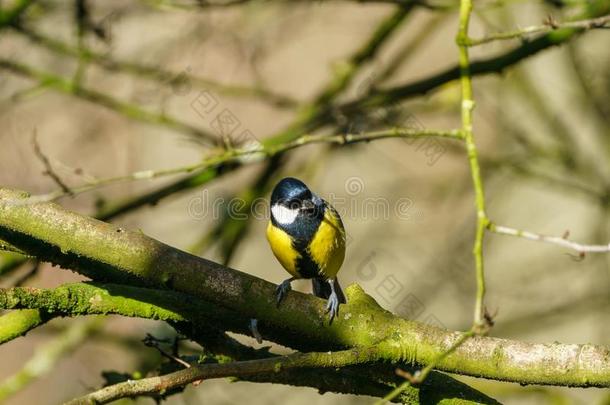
point(306, 267)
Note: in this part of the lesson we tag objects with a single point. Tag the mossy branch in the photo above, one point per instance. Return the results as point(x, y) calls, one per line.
point(17, 323)
point(105, 299)
point(192, 315)
point(105, 252)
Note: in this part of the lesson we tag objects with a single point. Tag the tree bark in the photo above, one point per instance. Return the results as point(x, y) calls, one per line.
point(105, 252)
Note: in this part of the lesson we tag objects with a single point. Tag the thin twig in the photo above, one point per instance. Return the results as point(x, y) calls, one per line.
point(201, 4)
point(556, 240)
point(549, 25)
point(467, 108)
point(47, 164)
point(253, 153)
point(152, 341)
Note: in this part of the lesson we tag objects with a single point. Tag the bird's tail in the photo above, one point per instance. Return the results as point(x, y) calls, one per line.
point(321, 288)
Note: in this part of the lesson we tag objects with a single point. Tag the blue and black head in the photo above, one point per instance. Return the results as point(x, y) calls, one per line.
point(290, 192)
point(292, 199)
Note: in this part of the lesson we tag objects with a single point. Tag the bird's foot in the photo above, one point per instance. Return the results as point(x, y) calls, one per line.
point(332, 306)
point(282, 290)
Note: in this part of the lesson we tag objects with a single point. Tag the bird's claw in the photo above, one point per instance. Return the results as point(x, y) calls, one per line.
point(281, 291)
point(332, 306)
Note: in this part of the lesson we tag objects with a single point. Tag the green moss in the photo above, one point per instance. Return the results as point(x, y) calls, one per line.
point(232, 297)
point(17, 323)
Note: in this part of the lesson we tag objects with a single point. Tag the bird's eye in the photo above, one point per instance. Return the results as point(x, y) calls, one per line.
point(293, 204)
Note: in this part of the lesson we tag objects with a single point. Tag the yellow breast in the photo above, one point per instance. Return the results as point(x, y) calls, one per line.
point(281, 245)
point(327, 248)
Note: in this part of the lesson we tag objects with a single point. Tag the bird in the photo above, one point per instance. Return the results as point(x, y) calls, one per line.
point(307, 237)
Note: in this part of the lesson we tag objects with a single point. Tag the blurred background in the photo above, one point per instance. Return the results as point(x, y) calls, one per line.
point(116, 87)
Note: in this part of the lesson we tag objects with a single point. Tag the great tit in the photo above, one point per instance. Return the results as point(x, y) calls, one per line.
point(307, 237)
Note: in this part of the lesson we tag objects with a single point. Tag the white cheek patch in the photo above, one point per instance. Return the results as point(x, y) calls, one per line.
point(284, 215)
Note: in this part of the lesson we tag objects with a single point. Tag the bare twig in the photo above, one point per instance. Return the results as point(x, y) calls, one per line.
point(549, 25)
point(152, 341)
point(204, 4)
point(253, 154)
point(47, 164)
point(556, 240)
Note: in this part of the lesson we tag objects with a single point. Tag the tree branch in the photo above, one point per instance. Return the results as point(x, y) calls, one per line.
point(104, 299)
point(272, 365)
point(195, 318)
point(18, 323)
point(104, 252)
